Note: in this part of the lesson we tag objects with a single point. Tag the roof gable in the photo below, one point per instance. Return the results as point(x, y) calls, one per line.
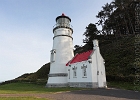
point(80, 57)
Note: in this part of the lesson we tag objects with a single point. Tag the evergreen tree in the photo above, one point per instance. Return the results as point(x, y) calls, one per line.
point(90, 33)
point(118, 17)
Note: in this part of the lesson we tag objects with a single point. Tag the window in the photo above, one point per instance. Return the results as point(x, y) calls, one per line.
point(69, 73)
point(74, 71)
point(84, 71)
point(53, 55)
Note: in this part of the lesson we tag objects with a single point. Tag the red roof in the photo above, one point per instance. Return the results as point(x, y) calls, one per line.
point(63, 14)
point(80, 57)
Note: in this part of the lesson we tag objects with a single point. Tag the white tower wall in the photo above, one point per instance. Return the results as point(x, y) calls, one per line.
point(63, 47)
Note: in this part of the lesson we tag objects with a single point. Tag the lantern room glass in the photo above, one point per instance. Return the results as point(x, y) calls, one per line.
point(63, 22)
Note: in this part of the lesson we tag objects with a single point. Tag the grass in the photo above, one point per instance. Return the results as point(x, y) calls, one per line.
point(124, 85)
point(21, 98)
point(30, 88)
point(17, 88)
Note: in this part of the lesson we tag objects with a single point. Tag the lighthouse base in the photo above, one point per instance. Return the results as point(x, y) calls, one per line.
point(57, 85)
point(57, 80)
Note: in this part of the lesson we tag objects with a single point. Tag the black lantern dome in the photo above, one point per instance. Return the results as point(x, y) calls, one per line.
point(62, 22)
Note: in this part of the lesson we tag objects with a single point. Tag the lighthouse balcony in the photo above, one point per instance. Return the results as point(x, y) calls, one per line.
point(62, 25)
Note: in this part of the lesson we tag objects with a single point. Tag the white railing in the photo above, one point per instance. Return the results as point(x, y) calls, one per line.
point(63, 25)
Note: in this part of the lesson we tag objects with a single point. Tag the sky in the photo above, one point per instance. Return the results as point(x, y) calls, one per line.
point(26, 35)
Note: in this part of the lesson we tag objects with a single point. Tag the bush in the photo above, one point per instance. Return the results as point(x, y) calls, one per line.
point(117, 78)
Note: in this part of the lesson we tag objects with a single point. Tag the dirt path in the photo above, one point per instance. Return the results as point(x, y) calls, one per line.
point(93, 94)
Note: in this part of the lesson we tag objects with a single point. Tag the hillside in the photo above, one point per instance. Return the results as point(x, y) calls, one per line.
point(40, 75)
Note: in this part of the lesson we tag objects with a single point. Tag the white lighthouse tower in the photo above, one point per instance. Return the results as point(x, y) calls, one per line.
point(61, 53)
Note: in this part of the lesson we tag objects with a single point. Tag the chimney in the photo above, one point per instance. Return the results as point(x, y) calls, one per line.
point(95, 43)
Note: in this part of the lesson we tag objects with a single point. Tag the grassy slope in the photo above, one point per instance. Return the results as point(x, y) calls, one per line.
point(40, 75)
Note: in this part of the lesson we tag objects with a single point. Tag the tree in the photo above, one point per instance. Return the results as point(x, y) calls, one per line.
point(104, 17)
point(90, 33)
point(118, 17)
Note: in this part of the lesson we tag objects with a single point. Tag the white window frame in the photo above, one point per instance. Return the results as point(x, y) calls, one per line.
point(84, 71)
point(74, 72)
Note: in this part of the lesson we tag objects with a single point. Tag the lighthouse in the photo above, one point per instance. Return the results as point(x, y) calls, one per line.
point(61, 53)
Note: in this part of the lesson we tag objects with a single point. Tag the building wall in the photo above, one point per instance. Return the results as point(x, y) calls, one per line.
point(94, 69)
point(100, 68)
point(63, 46)
point(103, 73)
point(61, 53)
point(95, 72)
point(80, 80)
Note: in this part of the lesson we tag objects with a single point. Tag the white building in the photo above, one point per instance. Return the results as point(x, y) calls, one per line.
point(82, 70)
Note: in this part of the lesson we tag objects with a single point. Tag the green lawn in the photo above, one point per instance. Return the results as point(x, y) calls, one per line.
point(30, 88)
point(21, 98)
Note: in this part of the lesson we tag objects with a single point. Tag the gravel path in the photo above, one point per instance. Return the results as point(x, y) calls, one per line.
point(93, 94)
